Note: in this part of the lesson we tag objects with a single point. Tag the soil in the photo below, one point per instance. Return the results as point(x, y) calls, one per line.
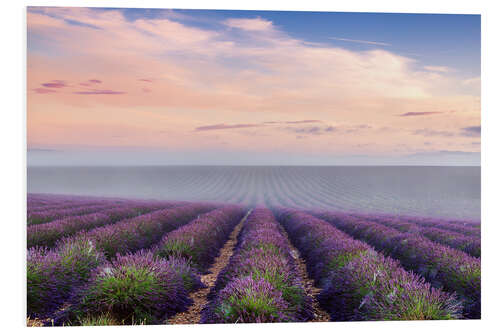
point(320, 315)
point(193, 314)
point(34, 322)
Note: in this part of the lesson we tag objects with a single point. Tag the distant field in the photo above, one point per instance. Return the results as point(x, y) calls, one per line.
point(112, 261)
point(447, 192)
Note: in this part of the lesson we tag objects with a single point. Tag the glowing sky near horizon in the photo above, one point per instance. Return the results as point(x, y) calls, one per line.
point(255, 83)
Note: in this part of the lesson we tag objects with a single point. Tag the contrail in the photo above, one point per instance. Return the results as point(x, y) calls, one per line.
point(360, 41)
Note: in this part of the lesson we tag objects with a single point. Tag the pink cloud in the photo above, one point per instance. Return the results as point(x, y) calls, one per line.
point(302, 121)
point(90, 82)
point(146, 80)
point(55, 84)
point(99, 92)
point(411, 114)
point(224, 126)
point(44, 91)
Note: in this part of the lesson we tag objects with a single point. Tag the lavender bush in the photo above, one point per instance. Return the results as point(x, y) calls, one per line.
point(140, 288)
point(52, 274)
point(200, 240)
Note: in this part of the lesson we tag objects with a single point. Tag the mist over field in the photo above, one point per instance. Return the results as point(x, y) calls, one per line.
point(452, 192)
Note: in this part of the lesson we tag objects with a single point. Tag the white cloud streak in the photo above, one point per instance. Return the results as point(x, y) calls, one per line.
point(359, 41)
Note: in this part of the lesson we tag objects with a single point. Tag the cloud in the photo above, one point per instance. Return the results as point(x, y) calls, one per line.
point(315, 130)
point(146, 80)
point(90, 82)
point(254, 24)
point(432, 132)
point(302, 121)
point(99, 92)
point(474, 131)
point(55, 84)
point(458, 152)
point(224, 126)
point(292, 122)
point(440, 69)
point(43, 91)
point(312, 130)
point(472, 81)
point(359, 41)
point(411, 114)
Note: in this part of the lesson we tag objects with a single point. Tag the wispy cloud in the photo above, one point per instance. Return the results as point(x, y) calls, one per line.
point(412, 114)
point(44, 91)
point(265, 123)
point(99, 92)
point(431, 132)
point(440, 69)
point(302, 121)
point(253, 24)
point(55, 84)
point(224, 126)
point(90, 82)
point(471, 131)
point(359, 41)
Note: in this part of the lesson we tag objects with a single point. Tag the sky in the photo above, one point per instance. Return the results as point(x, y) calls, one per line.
point(211, 87)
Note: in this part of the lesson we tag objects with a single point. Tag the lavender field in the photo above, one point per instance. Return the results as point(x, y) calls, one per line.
point(118, 261)
point(444, 192)
point(197, 166)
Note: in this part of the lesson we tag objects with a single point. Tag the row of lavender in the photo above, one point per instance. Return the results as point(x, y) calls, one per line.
point(261, 282)
point(71, 204)
point(47, 234)
point(151, 284)
point(466, 228)
point(47, 215)
point(358, 282)
point(465, 238)
point(441, 265)
point(53, 274)
point(40, 200)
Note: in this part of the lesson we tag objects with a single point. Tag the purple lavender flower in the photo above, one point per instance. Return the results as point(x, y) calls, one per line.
point(133, 289)
point(200, 240)
point(249, 300)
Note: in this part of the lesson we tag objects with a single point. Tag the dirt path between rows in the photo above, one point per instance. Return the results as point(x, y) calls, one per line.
point(320, 315)
point(193, 314)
